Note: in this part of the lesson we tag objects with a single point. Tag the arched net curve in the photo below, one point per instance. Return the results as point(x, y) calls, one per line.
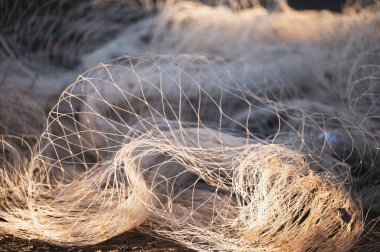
point(171, 145)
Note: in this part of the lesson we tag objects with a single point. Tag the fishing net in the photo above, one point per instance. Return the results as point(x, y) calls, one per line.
point(152, 142)
point(245, 147)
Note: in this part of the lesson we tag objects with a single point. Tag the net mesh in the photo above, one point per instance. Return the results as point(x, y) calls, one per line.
point(230, 151)
point(153, 140)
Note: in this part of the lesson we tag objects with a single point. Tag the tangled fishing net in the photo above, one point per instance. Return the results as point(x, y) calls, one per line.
point(250, 146)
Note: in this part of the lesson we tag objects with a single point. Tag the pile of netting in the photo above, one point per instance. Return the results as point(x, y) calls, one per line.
point(268, 141)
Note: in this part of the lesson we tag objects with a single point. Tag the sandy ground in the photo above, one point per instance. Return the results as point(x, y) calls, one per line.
point(131, 241)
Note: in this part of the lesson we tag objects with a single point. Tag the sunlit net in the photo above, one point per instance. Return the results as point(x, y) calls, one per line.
point(154, 142)
point(216, 153)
